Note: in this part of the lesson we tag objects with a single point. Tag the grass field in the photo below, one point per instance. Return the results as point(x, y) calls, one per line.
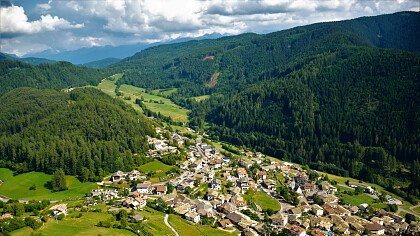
point(17, 187)
point(356, 200)
point(158, 167)
point(263, 200)
point(25, 231)
point(201, 98)
point(163, 92)
point(154, 223)
point(153, 101)
point(81, 226)
point(184, 227)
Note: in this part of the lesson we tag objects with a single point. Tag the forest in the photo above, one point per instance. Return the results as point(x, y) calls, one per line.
point(59, 75)
point(84, 132)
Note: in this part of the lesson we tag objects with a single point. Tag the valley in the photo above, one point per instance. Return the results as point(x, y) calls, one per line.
point(312, 130)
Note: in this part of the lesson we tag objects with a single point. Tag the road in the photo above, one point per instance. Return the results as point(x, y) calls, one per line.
point(167, 224)
point(411, 212)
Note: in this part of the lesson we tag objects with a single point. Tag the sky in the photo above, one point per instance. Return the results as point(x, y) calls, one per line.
point(29, 26)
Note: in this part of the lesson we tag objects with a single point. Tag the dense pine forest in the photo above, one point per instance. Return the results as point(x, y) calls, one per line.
point(339, 96)
point(59, 75)
point(84, 132)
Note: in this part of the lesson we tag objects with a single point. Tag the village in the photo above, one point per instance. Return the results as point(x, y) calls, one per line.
point(217, 188)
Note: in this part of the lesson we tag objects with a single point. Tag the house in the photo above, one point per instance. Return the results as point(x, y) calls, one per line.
point(361, 185)
point(317, 210)
point(59, 209)
point(321, 222)
point(327, 187)
point(227, 208)
point(318, 232)
point(216, 184)
point(297, 230)
point(212, 194)
point(198, 164)
point(234, 217)
point(6, 216)
point(238, 201)
point(241, 172)
point(142, 201)
point(137, 217)
point(329, 198)
point(144, 187)
point(192, 216)
point(295, 213)
point(262, 175)
point(279, 220)
point(117, 176)
point(225, 223)
point(375, 228)
point(244, 184)
point(161, 189)
point(309, 187)
point(301, 178)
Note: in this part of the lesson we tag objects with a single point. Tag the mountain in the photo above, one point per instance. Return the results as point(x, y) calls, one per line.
point(90, 54)
point(59, 75)
point(84, 132)
point(338, 96)
point(30, 60)
point(102, 63)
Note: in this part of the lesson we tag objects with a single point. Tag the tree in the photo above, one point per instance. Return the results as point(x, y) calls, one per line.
point(59, 180)
point(410, 217)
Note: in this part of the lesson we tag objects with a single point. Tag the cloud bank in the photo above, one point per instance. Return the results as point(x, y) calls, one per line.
point(64, 25)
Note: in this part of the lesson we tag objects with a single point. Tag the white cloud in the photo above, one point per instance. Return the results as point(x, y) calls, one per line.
point(14, 22)
point(119, 22)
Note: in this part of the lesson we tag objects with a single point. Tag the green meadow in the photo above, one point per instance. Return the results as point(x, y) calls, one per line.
point(17, 186)
point(262, 199)
point(154, 101)
point(184, 227)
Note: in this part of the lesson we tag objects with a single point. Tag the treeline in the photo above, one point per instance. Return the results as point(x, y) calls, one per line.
point(59, 75)
point(85, 132)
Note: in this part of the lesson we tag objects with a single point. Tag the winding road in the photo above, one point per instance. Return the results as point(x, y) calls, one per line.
point(167, 224)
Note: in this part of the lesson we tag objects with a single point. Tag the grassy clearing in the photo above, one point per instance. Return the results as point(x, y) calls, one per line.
point(201, 98)
point(154, 102)
point(163, 92)
point(356, 200)
point(184, 227)
point(155, 223)
point(22, 232)
point(17, 187)
point(263, 200)
point(81, 226)
point(158, 167)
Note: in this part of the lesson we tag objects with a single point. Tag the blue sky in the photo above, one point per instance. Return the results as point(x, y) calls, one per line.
point(29, 26)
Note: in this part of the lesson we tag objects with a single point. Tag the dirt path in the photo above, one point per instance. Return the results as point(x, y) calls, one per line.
point(167, 224)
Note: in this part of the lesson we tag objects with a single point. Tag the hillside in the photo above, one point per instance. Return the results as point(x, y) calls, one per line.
point(339, 96)
point(85, 132)
point(59, 75)
point(101, 63)
point(249, 58)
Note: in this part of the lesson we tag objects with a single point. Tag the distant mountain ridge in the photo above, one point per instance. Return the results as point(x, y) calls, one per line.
point(91, 54)
point(30, 60)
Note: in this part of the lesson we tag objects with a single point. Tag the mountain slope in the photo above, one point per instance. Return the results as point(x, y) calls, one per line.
point(14, 74)
point(85, 132)
point(102, 63)
point(244, 59)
